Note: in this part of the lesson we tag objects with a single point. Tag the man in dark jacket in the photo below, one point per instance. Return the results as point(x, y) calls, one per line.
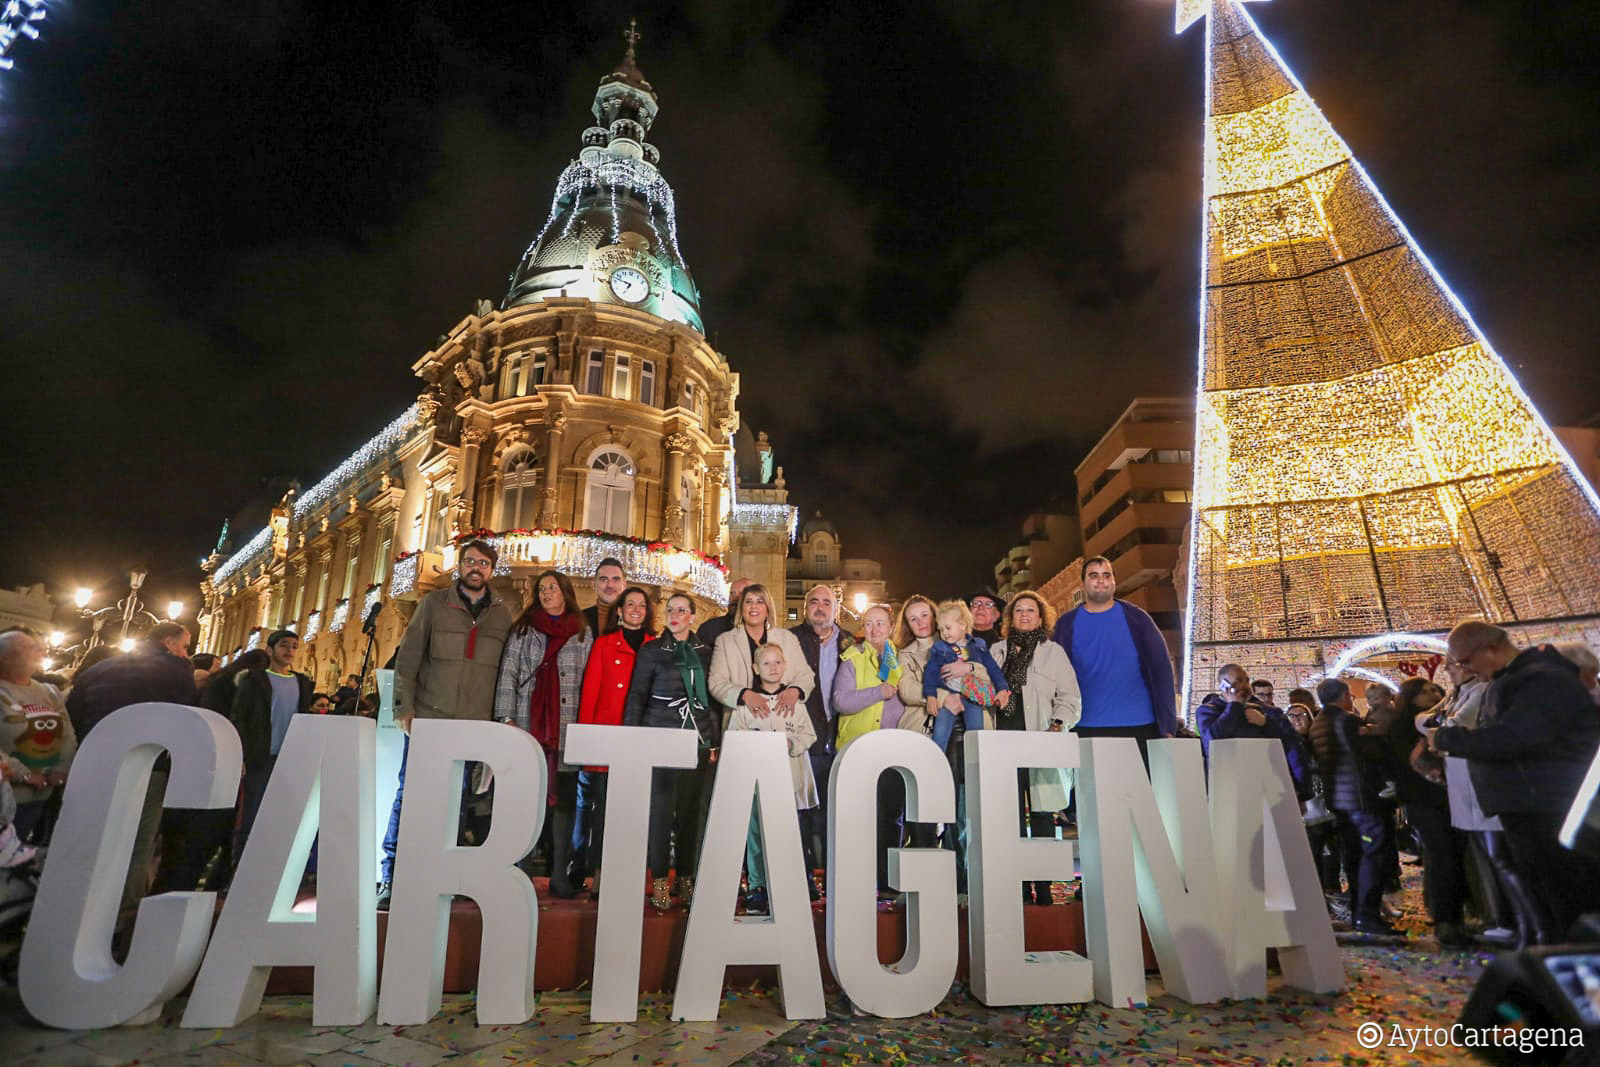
point(1528, 760)
point(265, 701)
point(1233, 711)
point(824, 645)
point(609, 578)
point(1350, 765)
point(159, 671)
point(1121, 661)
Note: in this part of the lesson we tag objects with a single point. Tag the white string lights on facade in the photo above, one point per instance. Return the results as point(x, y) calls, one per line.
point(19, 19)
point(1365, 463)
point(380, 447)
point(609, 176)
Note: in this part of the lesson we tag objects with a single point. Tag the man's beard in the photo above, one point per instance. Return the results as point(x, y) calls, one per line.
point(473, 581)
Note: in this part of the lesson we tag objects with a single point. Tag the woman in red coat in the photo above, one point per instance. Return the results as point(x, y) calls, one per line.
point(605, 690)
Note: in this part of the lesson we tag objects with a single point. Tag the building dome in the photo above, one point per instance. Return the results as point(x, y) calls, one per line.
point(612, 232)
point(817, 524)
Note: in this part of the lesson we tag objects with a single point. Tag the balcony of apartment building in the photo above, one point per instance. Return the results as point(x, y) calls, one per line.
point(1144, 483)
point(1146, 427)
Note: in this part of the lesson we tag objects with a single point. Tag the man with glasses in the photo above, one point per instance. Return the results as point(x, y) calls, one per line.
point(1528, 757)
point(446, 666)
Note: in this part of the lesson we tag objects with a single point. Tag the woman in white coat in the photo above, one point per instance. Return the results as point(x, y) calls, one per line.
point(1045, 696)
point(733, 683)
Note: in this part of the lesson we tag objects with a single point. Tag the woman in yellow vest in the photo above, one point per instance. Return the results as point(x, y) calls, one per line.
point(866, 697)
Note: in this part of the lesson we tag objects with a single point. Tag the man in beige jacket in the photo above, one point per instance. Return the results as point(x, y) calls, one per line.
point(446, 666)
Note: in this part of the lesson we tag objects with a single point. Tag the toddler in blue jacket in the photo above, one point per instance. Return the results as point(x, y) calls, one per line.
point(983, 686)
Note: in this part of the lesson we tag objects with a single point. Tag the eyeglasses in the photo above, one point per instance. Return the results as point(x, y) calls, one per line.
point(477, 564)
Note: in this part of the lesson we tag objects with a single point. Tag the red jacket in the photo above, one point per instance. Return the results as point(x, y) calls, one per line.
point(606, 680)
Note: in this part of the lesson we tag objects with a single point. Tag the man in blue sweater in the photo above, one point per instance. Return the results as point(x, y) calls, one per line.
point(1121, 661)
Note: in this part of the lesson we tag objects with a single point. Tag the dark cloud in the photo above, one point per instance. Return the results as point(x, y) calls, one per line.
point(942, 244)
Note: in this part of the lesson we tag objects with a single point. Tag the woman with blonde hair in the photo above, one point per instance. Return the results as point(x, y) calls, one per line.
point(735, 683)
point(1045, 697)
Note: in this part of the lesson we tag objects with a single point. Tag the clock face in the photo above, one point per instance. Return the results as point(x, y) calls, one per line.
point(629, 285)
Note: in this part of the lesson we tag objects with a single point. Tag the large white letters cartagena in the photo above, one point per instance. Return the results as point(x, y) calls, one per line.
point(1215, 892)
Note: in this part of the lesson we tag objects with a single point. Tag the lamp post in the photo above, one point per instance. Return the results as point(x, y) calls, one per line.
point(130, 609)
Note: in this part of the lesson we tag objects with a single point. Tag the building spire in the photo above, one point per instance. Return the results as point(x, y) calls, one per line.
point(631, 35)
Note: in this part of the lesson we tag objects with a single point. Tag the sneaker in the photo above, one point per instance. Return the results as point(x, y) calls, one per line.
point(1339, 911)
point(1499, 935)
point(385, 891)
point(1452, 936)
point(755, 902)
point(1378, 927)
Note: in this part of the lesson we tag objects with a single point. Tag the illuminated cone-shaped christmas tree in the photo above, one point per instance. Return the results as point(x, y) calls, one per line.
point(1365, 464)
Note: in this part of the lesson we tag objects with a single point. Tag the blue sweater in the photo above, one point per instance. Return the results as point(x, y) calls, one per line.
point(943, 653)
point(1155, 663)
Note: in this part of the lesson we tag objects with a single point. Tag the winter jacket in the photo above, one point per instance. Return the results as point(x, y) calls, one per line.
point(1465, 710)
point(1220, 719)
point(1533, 754)
point(447, 661)
point(1050, 692)
point(942, 654)
point(913, 658)
point(656, 694)
point(149, 675)
point(859, 706)
point(606, 679)
point(252, 714)
point(1350, 763)
point(1155, 662)
point(733, 669)
point(811, 645)
point(519, 669)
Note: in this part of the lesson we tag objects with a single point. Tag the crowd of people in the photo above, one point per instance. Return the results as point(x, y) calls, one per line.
point(1474, 778)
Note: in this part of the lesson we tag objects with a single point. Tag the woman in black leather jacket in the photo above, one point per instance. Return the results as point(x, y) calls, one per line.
point(668, 691)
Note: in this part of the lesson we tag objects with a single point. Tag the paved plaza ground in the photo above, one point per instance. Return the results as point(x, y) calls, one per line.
point(1412, 984)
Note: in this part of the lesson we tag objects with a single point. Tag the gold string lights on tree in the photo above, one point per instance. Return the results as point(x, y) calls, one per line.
point(1365, 462)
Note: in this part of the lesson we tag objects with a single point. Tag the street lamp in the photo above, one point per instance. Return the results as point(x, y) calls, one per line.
point(56, 637)
point(128, 644)
point(81, 596)
point(174, 610)
point(862, 602)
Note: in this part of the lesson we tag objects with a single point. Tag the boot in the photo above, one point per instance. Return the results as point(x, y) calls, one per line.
point(1531, 927)
point(660, 894)
point(685, 889)
point(561, 854)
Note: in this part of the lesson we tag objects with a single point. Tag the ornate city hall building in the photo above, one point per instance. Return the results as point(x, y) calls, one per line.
point(587, 416)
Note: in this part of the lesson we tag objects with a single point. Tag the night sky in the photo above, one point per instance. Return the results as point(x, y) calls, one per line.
point(944, 244)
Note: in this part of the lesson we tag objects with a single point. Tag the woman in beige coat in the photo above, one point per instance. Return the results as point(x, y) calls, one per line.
point(734, 683)
point(733, 671)
point(1045, 696)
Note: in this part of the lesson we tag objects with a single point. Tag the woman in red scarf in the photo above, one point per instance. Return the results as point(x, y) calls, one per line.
point(541, 679)
point(605, 691)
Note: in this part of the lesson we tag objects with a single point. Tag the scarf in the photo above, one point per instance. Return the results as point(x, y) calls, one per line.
point(544, 704)
point(1019, 658)
point(697, 702)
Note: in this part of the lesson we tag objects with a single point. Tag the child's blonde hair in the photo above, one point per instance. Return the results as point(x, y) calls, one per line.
point(958, 608)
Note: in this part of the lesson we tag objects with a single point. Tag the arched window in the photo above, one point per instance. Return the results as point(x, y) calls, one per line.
point(519, 497)
point(514, 381)
point(608, 503)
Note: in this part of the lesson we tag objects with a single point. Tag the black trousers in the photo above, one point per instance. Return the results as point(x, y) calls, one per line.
point(891, 821)
point(1564, 884)
point(675, 825)
point(1444, 877)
